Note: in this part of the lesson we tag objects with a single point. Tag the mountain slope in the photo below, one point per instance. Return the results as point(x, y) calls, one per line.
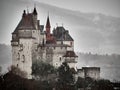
point(5, 56)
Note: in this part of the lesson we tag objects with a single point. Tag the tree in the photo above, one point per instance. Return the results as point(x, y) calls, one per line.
point(80, 82)
point(15, 79)
point(65, 74)
point(41, 69)
point(103, 85)
point(66, 79)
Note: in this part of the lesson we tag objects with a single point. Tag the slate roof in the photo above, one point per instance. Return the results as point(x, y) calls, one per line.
point(61, 34)
point(48, 23)
point(25, 23)
point(70, 54)
point(35, 11)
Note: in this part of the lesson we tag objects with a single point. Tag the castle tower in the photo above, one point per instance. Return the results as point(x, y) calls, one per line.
point(25, 39)
point(35, 17)
point(48, 26)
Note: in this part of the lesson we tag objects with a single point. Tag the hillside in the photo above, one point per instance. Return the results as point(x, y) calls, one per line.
point(109, 64)
point(5, 56)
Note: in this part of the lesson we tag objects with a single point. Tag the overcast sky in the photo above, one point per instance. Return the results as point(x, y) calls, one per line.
point(92, 37)
point(109, 7)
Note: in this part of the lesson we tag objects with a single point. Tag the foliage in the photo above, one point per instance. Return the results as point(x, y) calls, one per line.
point(65, 74)
point(80, 82)
point(40, 69)
point(17, 71)
point(13, 81)
point(91, 84)
point(102, 85)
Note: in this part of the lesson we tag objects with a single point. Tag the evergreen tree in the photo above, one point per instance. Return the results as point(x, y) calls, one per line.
point(65, 74)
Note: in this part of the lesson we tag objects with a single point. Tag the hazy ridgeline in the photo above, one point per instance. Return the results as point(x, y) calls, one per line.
point(109, 64)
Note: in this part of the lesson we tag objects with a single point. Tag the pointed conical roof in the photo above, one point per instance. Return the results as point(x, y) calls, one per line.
point(35, 11)
point(48, 23)
point(26, 23)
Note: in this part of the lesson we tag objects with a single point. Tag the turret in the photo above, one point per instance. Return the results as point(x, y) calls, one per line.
point(35, 11)
point(35, 18)
point(24, 13)
point(48, 26)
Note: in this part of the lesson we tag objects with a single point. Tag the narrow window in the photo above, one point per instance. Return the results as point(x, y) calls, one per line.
point(18, 56)
point(60, 58)
point(23, 58)
point(71, 43)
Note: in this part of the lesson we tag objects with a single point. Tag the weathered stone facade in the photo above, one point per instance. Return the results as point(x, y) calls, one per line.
point(92, 72)
point(30, 42)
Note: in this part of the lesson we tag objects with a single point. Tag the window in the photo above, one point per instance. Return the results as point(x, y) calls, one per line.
point(23, 58)
point(60, 58)
point(33, 31)
point(21, 47)
point(18, 56)
point(71, 43)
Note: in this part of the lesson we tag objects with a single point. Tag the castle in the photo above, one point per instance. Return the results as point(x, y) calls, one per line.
point(32, 41)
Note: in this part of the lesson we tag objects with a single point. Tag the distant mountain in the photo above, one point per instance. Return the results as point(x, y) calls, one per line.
point(91, 32)
point(5, 56)
point(109, 64)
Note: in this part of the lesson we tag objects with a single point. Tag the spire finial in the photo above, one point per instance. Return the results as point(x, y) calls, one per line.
point(35, 11)
point(48, 22)
point(24, 13)
point(34, 5)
